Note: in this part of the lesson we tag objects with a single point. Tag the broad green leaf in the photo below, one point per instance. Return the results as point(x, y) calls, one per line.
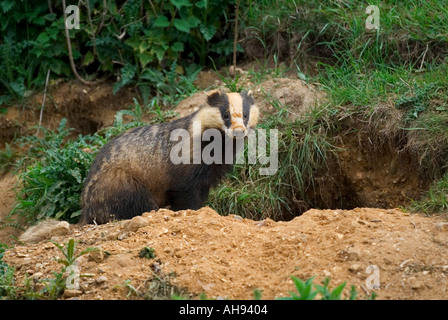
point(193, 21)
point(201, 4)
point(182, 25)
point(336, 293)
point(181, 3)
point(43, 37)
point(6, 5)
point(88, 58)
point(145, 58)
point(161, 21)
point(159, 51)
point(208, 31)
point(144, 45)
point(177, 46)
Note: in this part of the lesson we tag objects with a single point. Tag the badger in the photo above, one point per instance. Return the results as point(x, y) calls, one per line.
point(134, 173)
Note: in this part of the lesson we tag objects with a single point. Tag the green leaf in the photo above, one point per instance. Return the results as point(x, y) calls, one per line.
point(56, 66)
point(161, 21)
point(201, 4)
point(177, 46)
point(127, 75)
point(181, 3)
point(144, 45)
point(87, 250)
point(193, 21)
point(70, 249)
point(159, 51)
point(7, 5)
point(182, 25)
point(336, 293)
point(207, 31)
point(145, 58)
point(88, 58)
point(43, 37)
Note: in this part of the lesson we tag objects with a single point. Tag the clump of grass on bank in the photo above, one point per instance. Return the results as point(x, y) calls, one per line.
point(435, 200)
point(367, 73)
point(303, 149)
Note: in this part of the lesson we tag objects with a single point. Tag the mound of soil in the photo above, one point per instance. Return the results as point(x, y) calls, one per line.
point(227, 256)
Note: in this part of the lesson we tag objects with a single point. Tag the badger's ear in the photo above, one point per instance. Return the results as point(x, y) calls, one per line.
point(247, 96)
point(214, 98)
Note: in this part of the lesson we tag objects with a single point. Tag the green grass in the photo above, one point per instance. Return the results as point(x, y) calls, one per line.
point(307, 290)
point(303, 148)
point(435, 200)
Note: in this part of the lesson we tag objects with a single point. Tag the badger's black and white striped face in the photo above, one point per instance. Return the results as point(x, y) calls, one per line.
point(238, 112)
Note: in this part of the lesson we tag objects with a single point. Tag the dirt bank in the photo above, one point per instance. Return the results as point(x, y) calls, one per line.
point(231, 257)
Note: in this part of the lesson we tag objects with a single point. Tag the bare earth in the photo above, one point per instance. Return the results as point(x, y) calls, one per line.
point(229, 257)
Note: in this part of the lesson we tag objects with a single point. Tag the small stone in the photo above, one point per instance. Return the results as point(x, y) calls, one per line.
point(355, 267)
point(354, 253)
point(101, 279)
point(339, 236)
point(122, 235)
point(82, 260)
point(48, 245)
point(179, 254)
point(112, 236)
point(45, 230)
point(135, 223)
point(37, 276)
point(261, 223)
point(30, 271)
point(442, 226)
point(415, 283)
point(71, 293)
point(97, 256)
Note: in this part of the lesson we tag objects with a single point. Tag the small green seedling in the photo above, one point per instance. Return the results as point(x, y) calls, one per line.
point(147, 253)
point(69, 252)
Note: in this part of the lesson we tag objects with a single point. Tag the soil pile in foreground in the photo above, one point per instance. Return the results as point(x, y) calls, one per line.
point(230, 257)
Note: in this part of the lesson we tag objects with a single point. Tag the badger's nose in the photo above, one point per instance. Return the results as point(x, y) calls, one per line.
point(239, 133)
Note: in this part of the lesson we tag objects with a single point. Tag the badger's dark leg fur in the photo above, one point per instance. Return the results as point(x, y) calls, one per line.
point(121, 197)
point(187, 199)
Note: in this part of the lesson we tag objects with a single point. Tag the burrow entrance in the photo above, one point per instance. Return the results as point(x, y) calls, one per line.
point(369, 172)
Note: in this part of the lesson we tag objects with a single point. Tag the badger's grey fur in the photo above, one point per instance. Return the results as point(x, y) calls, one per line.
point(133, 173)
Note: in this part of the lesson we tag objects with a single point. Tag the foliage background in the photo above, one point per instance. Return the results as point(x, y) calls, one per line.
point(134, 42)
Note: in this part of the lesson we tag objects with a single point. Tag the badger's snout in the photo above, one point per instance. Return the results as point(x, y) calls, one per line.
point(237, 133)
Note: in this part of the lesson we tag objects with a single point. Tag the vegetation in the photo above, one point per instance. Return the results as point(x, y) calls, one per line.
point(306, 290)
point(159, 47)
point(46, 288)
point(392, 81)
point(144, 43)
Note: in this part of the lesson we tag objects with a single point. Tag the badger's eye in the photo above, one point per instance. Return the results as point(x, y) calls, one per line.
point(226, 117)
point(246, 116)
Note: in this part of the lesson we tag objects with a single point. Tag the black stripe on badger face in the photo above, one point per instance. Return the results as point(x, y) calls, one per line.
point(248, 101)
point(221, 101)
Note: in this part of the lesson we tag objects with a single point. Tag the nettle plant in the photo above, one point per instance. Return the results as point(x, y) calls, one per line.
point(140, 42)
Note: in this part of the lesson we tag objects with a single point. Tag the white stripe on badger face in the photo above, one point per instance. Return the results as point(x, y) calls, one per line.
point(237, 128)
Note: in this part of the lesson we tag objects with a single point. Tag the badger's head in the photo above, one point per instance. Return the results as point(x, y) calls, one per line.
point(232, 113)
